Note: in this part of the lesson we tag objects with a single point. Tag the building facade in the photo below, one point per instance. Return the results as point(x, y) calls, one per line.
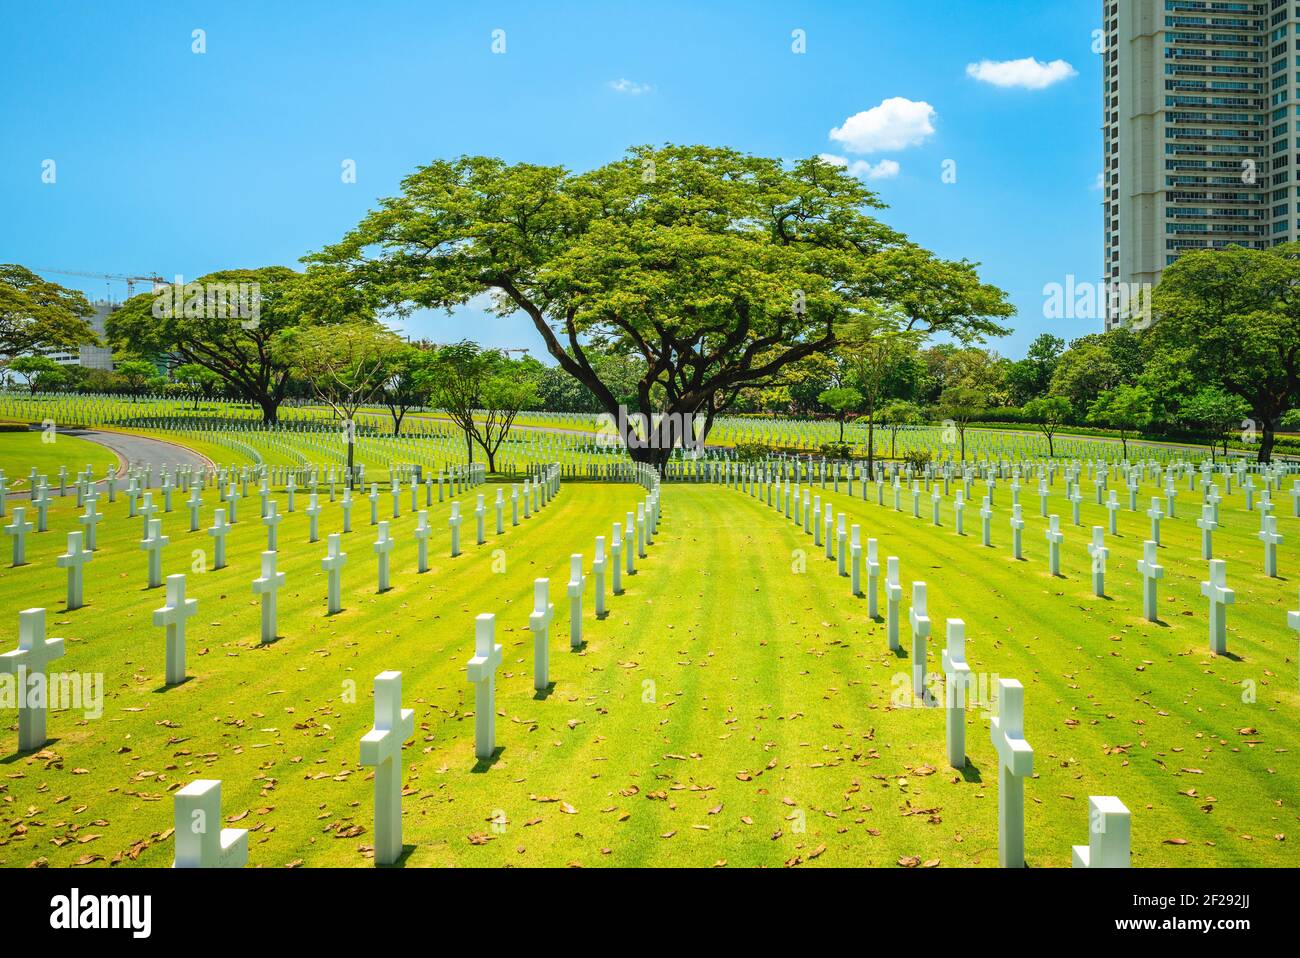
point(1200, 132)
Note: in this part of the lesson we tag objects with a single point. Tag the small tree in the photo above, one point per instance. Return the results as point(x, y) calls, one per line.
point(1214, 414)
point(404, 386)
point(1049, 413)
point(39, 372)
point(134, 373)
point(841, 400)
point(1126, 409)
point(345, 366)
point(895, 416)
point(958, 405)
point(482, 391)
point(199, 381)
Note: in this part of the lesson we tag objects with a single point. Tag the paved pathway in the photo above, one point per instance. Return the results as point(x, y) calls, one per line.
point(135, 450)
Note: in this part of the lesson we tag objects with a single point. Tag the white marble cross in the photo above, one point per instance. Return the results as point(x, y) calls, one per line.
point(1152, 573)
point(422, 532)
point(1207, 525)
point(577, 582)
point(1155, 515)
point(1108, 835)
point(957, 674)
point(514, 504)
point(271, 518)
point(18, 530)
point(333, 564)
point(454, 524)
point(383, 549)
point(73, 560)
point(374, 503)
point(219, 532)
point(31, 658)
point(153, 544)
point(148, 511)
point(893, 596)
point(481, 671)
point(1112, 507)
point(232, 505)
point(598, 576)
point(479, 513)
point(173, 615)
point(1295, 499)
point(43, 508)
point(395, 491)
point(873, 579)
point(194, 503)
point(1054, 539)
point(381, 748)
point(313, 512)
point(629, 542)
point(1220, 597)
point(1015, 764)
point(346, 506)
point(201, 842)
point(540, 622)
point(855, 559)
point(1271, 539)
point(615, 559)
point(986, 521)
point(500, 506)
point(919, 617)
point(1017, 532)
point(959, 513)
point(267, 586)
point(1098, 552)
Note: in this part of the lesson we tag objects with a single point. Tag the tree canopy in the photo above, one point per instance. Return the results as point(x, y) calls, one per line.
point(716, 269)
point(39, 316)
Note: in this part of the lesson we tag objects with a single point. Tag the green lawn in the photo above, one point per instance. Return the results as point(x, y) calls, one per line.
point(20, 451)
point(729, 708)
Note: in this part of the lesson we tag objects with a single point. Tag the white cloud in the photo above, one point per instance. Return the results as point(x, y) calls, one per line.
point(884, 170)
point(630, 87)
point(1101, 181)
point(1026, 74)
point(895, 124)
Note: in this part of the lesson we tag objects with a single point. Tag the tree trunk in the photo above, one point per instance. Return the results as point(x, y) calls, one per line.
point(1266, 447)
point(270, 409)
point(871, 444)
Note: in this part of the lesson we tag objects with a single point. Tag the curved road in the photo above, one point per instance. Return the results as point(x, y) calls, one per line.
point(135, 451)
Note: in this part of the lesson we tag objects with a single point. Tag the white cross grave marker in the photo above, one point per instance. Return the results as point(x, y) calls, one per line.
point(153, 544)
point(454, 523)
point(1015, 764)
point(422, 532)
point(1109, 825)
point(894, 596)
point(920, 620)
point(333, 564)
point(173, 615)
point(18, 530)
point(958, 675)
point(267, 586)
point(383, 549)
point(1220, 597)
point(73, 560)
point(1271, 539)
point(31, 658)
point(540, 622)
point(1152, 573)
point(576, 584)
point(1098, 552)
point(381, 748)
point(482, 672)
point(201, 842)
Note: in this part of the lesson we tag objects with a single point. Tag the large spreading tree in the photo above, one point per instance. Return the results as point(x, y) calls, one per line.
point(1232, 319)
point(239, 344)
point(713, 268)
point(38, 316)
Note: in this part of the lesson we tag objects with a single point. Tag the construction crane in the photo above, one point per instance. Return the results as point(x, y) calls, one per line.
point(129, 280)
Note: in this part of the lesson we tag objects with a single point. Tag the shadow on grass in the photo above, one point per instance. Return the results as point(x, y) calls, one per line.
point(10, 759)
point(401, 859)
point(971, 772)
point(545, 693)
point(483, 764)
point(167, 688)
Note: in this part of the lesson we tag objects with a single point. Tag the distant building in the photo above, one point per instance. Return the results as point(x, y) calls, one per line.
point(91, 357)
point(1201, 131)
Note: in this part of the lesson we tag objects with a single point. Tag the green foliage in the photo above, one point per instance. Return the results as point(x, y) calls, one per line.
point(918, 458)
point(836, 450)
point(715, 269)
point(1231, 318)
point(482, 391)
point(1215, 415)
point(753, 451)
point(37, 315)
point(39, 372)
point(1126, 409)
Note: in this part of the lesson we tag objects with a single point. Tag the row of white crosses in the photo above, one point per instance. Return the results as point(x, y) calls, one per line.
point(481, 669)
point(1109, 842)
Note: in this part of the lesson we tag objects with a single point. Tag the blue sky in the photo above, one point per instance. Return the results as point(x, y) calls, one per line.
point(175, 162)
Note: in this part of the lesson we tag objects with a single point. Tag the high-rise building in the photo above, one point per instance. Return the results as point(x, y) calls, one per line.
point(1201, 131)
